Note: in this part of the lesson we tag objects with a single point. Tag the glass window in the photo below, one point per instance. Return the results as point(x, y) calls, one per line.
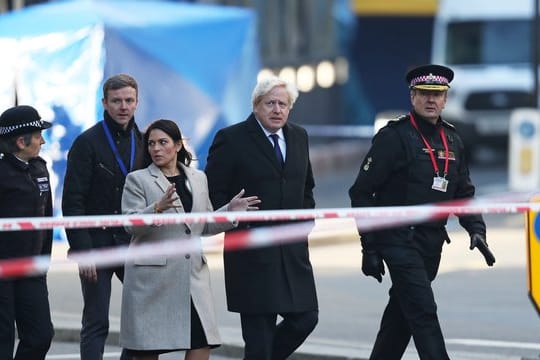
point(488, 42)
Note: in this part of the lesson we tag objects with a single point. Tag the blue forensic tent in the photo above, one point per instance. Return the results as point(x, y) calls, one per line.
point(195, 64)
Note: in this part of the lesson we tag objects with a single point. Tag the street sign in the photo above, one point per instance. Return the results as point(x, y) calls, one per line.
point(524, 150)
point(533, 255)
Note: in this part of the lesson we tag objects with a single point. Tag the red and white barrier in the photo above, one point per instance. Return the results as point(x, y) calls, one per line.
point(94, 221)
point(368, 218)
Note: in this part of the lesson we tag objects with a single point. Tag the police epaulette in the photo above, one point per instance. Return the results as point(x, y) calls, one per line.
point(397, 120)
point(448, 125)
point(39, 158)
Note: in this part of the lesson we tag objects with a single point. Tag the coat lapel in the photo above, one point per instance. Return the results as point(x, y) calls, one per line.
point(160, 179)
point(162, 183)
point(196, 189)
point(289, 143)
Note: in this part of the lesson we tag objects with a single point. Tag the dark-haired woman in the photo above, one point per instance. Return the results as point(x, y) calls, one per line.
point(167, 300)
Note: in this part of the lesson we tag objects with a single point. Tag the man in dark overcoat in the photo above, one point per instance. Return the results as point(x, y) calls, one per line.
point(269, 157)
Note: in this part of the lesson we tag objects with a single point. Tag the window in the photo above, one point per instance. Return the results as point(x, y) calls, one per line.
point(489, 42)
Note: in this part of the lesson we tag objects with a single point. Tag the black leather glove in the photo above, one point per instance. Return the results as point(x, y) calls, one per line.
point(372, 264)
point(479, 241)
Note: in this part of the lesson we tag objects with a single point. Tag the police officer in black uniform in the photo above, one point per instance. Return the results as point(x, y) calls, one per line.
point(416, 159)
point(24, 192)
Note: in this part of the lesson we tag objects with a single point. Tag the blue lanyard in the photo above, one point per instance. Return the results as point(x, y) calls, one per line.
point(115, 149)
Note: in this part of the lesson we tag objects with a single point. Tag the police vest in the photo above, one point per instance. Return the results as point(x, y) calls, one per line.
point(415, 179)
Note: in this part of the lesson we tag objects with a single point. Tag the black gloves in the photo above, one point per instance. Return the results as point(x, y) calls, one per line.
point(479, 241)
point(372, 264)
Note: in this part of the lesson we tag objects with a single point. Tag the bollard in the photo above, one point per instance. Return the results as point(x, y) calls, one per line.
point(533, 254)
point(524, 150)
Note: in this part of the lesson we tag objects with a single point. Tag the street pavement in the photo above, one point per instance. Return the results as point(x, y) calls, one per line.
point(485, 312)
point(503, 324)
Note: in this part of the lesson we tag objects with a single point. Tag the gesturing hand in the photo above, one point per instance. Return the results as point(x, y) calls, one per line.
point(239, 203)
point(479, 241)
point(372, 264)
point(167, 200)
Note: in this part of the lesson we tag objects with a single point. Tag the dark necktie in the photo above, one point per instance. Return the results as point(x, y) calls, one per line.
point(277, 149)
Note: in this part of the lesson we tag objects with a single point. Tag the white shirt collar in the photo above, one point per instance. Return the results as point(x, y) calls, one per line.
point(268, 133)
point(21, 160)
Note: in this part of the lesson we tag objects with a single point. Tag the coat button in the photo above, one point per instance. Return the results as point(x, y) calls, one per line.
point(188, 231)
point(187, 256)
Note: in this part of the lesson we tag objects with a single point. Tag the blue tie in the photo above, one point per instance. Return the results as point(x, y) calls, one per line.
point(277, 149)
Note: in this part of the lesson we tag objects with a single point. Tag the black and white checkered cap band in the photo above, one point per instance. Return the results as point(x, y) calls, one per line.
point(4, 130)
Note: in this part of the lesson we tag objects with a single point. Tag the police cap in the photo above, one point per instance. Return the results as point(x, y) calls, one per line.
point(21, 119)
point(430, 77)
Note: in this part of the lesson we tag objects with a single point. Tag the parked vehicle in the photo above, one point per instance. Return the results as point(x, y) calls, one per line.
point(488, 45)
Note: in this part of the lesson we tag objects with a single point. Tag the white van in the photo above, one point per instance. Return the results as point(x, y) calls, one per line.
point(488, 45)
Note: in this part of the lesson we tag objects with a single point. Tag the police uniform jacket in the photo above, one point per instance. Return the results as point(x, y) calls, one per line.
point(398, 171)
point(25, 192)
point(277, 278)
point(94, 182)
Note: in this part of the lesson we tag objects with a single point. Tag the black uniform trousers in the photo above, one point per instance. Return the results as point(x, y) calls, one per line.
point(95, 318)
point(264, 340)
point(411, 310)
point(25, 302)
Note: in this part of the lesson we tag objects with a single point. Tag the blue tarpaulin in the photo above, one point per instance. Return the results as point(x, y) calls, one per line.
point(195, 64)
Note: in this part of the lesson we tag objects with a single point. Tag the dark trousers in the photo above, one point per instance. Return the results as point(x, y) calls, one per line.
point(95, 318)
point(411, 310)
point(25, 302)
point(266, 340)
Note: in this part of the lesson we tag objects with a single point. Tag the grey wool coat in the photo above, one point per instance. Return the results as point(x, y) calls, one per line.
point(156, 311)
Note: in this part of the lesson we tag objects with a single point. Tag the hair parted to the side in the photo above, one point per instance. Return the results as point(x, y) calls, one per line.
point(265, 85)
point(119, 81)
point(170, 128)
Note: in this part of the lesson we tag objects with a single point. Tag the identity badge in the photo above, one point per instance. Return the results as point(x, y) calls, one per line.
point(43, 184)
point(439, 184)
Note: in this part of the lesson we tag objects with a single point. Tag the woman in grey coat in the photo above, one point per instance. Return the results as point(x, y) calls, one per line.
point(167, 300)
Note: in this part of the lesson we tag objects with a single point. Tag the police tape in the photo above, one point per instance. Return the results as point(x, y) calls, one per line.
point(241, 239)
point(367, 219)
point(459, 207)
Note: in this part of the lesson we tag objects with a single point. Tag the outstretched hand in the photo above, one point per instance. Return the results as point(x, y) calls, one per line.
point(240, 203)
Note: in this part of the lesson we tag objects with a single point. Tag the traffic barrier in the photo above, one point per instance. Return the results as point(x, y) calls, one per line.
point(367, 219)
point(458, 207)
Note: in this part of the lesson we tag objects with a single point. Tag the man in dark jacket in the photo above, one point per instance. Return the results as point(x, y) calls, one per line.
point(25, 191)
point(98, 163)
point(268, 157)
point(417, 159)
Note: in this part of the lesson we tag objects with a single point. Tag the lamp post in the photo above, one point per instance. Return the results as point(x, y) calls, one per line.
point(535, 50)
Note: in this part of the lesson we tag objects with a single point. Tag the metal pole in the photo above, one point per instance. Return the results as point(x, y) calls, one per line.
point(18, 4)
point(535, 49)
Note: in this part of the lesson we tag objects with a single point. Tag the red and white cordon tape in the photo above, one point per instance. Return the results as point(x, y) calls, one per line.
point(367, 219)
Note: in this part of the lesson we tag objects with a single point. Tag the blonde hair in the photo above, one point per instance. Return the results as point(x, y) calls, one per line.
point(266, 85)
